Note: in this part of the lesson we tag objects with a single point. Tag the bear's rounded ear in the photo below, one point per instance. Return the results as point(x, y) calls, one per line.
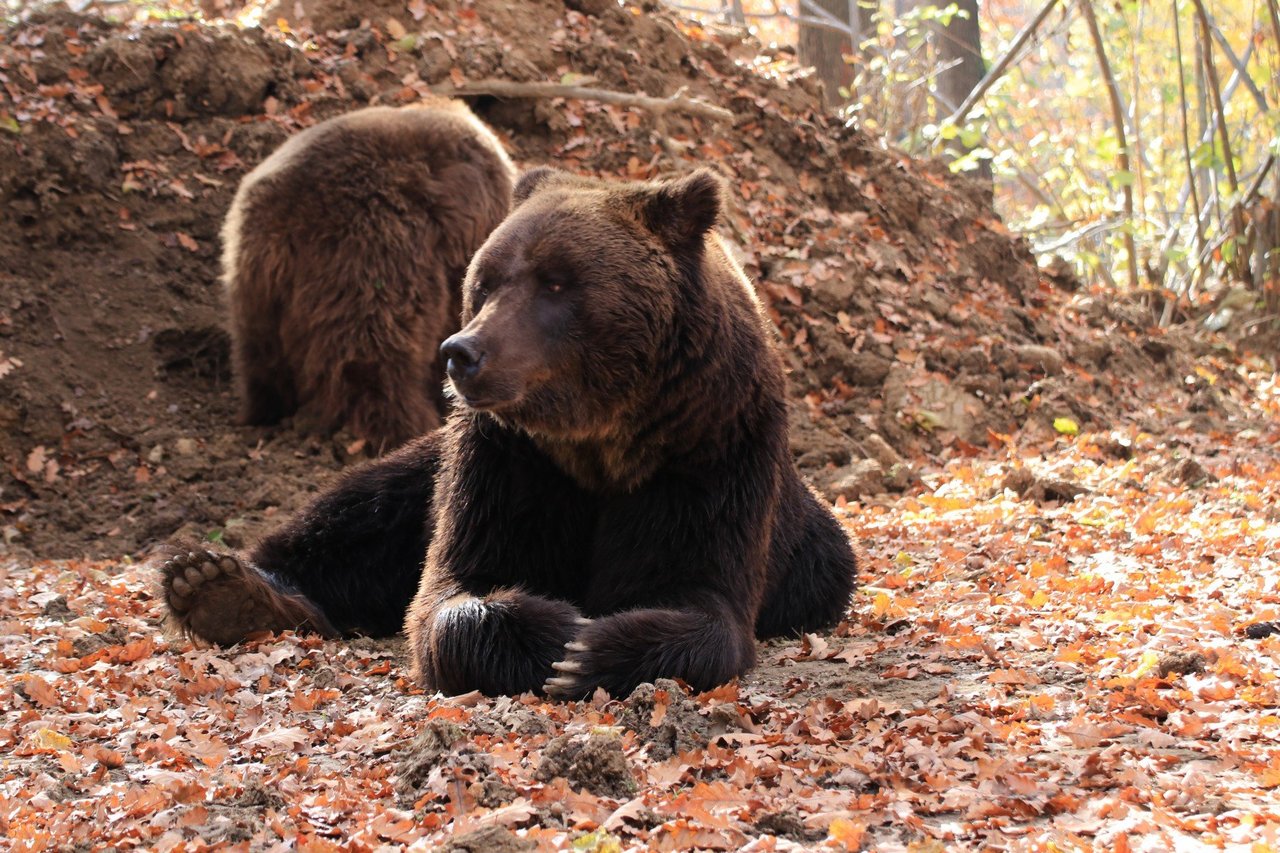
point(531, 180)
point(682, 211)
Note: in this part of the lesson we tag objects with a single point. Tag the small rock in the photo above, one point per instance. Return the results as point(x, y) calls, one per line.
point(56, 608)
point(1116, 446)
point(864, 477)
point(878, 449)
point(431, 747)
point(865, 369)
point(783, 824)
point(1025, 484)
point(156, 455)
point(1262, 630)
point(1048, 361)
point(185, 446)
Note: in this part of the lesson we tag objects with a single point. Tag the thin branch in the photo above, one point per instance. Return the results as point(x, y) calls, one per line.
point(1274, 14)
point(1238, 65)
point(1117, 116)
point(1237, 214)
point(997, 70)
point(510, 89)
point(1186, 137)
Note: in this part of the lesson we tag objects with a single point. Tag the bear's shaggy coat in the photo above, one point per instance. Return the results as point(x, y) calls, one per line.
point(344, 252)
point(613, 499)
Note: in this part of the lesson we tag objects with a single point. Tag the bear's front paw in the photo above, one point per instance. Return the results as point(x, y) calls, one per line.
point(502, 644)
point(219, 598)
point(621, 651)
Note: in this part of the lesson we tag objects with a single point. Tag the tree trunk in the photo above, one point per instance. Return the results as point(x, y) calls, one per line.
point(825, 49)
point(960, 46)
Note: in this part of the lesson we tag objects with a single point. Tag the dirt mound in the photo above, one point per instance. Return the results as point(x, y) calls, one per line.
point(915, 324)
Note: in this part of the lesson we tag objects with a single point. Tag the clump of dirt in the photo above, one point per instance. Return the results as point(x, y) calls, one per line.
point(1025, 484)
point(491, 839)
point(442, 747)
point(786, 824)
point(1181, 663)
point(663, 716)
point(594, 761)
point(914, 325)
point(432, 746)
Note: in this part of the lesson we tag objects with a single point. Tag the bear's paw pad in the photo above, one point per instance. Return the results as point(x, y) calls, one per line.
point(218, 598)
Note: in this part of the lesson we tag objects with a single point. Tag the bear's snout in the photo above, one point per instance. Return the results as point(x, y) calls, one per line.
point(463, 355)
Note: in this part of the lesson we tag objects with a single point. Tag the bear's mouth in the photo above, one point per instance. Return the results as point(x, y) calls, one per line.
point(479, 401)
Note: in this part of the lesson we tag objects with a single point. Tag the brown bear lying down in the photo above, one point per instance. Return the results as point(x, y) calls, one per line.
point(612, 501)
point(344, 257)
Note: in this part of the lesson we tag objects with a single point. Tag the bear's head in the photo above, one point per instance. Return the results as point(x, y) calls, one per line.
point(571, 308)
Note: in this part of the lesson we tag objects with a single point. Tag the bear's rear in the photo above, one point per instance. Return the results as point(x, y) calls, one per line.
point(343, 256)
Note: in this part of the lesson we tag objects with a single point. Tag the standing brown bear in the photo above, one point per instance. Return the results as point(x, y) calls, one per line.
point(344, 253)
point(613, 499)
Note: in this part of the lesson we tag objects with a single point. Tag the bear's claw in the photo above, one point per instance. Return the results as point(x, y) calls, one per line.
point(573, 676)
point(563, 688)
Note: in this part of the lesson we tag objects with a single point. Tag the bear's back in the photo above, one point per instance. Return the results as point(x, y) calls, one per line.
point(343, 254)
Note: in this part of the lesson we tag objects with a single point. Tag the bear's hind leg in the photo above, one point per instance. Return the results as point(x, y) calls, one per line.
point(264, 378)
point(220, 598)
point(812, 569)
point(387, 403)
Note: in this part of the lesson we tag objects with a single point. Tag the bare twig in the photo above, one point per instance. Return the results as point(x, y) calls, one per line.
point(1186, 137)
point(1274, 14)
point(1002, 65)
point(1117, 116)
point(678, 102)
point(1211, 72)
point(1238, 65)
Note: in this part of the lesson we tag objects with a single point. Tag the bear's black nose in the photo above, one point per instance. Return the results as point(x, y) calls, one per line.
point(463, 357)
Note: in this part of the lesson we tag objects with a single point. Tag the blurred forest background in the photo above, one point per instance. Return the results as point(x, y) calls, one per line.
point(1134, 140)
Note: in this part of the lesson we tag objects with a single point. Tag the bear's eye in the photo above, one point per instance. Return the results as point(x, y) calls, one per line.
point(553, 283)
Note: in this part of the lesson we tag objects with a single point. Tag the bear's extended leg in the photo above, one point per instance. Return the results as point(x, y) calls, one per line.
point(502, 644)
point(218, 598)
point(349, 563)
point(618, 652)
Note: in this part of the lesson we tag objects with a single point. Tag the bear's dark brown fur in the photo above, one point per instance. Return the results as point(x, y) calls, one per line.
point(613, 499)
point(343, 256)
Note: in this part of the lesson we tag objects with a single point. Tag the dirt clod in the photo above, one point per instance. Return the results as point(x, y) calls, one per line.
point(1181, 663)
point(663, 716)
point(491, 839)
point(1025, 484)
point(595, 762)
point(433, 745)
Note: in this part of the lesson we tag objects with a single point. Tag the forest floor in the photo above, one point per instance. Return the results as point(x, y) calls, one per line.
point(1062, 638)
